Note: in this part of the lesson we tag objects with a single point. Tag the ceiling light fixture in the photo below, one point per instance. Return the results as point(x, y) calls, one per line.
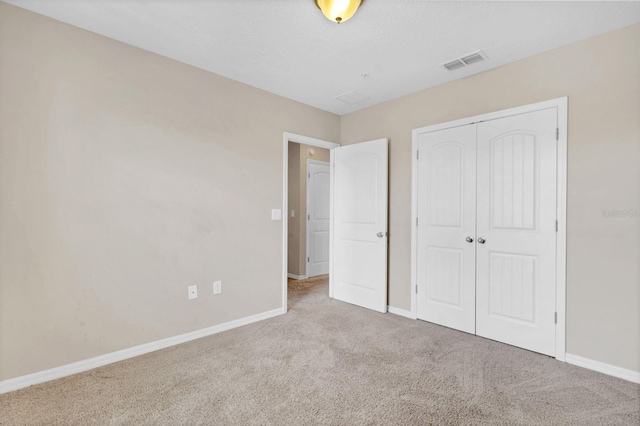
point(338, 10)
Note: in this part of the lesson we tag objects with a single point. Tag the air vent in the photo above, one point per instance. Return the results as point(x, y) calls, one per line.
point(472, 59)
point(466, 60)
point(454, 65)
point(352, 97)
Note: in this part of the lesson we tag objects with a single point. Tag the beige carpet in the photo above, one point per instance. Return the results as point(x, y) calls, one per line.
point(327, 362)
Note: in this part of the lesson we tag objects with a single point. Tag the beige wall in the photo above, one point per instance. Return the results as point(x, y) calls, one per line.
point(298, 156)
point(124, 178)
point(601, 77)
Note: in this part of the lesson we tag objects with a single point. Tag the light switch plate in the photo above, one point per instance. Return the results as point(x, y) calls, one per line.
point(276, 214)
point(217, 287)
point(293, 213)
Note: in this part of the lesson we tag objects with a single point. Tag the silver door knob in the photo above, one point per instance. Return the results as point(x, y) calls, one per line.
point(380, 234)
point(481, 240)
point(469, 239)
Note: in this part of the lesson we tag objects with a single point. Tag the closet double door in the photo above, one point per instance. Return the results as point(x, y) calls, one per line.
point(486, 234)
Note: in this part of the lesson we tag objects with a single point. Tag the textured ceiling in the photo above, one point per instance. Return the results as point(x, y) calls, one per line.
point(287, 46)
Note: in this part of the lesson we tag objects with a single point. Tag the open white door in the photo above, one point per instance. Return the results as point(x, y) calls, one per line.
point(359, 247)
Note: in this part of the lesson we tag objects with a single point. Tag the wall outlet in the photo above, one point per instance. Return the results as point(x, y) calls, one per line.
point(217, 287)
point(193, 291)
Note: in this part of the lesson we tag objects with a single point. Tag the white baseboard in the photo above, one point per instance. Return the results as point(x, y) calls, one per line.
point(297, 277)
point(601, 367)
point(401, 312)
point(99, 361)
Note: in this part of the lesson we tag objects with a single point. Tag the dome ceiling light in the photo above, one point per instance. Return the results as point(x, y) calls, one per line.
point(338, 10)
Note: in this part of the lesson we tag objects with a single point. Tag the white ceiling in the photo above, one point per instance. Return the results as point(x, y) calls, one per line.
point(287, 47)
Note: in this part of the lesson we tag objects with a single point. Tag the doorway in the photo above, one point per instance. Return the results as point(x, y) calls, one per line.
point(358, 228)
point(306, 208)
point(308, 211)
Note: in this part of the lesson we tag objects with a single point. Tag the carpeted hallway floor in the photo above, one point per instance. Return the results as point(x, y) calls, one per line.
point(327, 362)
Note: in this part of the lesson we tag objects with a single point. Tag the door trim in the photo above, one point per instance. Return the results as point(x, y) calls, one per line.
point(322, 163)
point(561, 203)
point(305, 140)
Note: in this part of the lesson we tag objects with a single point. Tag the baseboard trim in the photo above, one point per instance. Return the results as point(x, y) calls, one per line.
point(297, 277)
point(99, 361)
point(601, 367)
point(401, 312)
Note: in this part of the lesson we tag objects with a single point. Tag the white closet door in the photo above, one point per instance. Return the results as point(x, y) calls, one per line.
point(317, 218)
point(360, 186)
point(516, 230)
point(446, 227)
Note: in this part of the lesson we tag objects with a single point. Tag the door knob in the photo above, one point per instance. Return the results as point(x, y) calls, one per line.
point(380, 234)
point(481, 240)
point(469, 239)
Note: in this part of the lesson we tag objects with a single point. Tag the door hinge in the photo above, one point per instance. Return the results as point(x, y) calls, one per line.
point(416, 289)
point(307, 260)
point(555, 317)
point(416, 221)
point(417, 155)
point(309, 175)
point(557, 133)
point(556, 226)
point(308, 217)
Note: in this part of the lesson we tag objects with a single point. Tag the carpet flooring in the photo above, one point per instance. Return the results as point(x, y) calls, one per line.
point(330, 363)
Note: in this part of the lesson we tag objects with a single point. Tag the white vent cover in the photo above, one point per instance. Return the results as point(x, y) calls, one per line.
point(473, 58)
point(454, 65)
point(352, 97)
point(466, 60)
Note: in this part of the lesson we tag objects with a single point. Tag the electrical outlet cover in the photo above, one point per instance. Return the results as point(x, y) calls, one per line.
point(217, 287)
point(193, 291)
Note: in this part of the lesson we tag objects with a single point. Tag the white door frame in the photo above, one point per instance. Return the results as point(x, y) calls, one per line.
point(307, 250)
point(561, 205)
point(305, 140)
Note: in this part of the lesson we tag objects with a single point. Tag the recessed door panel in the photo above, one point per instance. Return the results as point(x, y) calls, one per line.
point(445, 169)
point(513, 181)
point(512, 285)
point(353, 267)
point(444, 274)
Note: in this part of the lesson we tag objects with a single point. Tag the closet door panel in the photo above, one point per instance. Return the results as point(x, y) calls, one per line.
point(446, 217)
point(516, 214)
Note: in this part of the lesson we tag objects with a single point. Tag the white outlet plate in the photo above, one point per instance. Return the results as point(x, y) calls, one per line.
point(217, 287)
point(193, 291)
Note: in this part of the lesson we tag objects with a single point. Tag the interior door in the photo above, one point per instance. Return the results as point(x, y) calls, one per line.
point(446, 227)
point(516, 229)
point(318, 196)
point(360, 190)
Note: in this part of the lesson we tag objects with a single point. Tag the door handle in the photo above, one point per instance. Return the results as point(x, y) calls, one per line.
point(380, 234)
point(469, 239)
point(481, 240)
